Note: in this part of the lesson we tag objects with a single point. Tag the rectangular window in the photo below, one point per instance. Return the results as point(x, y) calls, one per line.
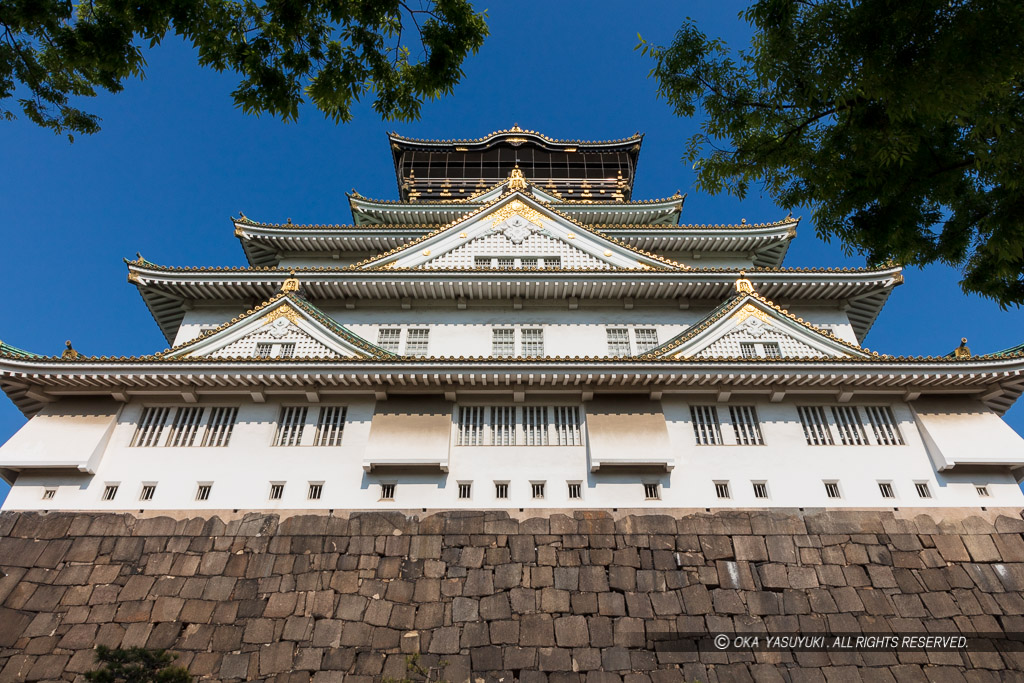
point(529, 263)
point(552, 262)
point(772, 350)
point(185, 426)
point(705, 425)
point(815, 424)
point(832, 489)
point(147, 492)
point(48, 494)
point(646, 339)
point(501, 490)
point(533, 342)
point(982, 491)
point(506, 263)
point(746, 425)
point(503, 342)
point(537, 488)
point(389, 339)
point(150, 427)
point(535, 425)
point(922, 489)
point(330, 425)
point(503, 425)
point(471, 426)
point(652, 491)
point(316, 489)
point(219, 427)
point(482, 262)
point(851, 429)
point(465, 490)
point(885, 488)
point(285, 350)
point(273, 350)
point(883, 425)
point(416, 342)
point(109, 491)
point(618, 341)
point(722, 489)
point(276, 491)
point(760, 489)
point(387, 491)
point(748, 350)
point(575, 490)
point(203, 491)
point(264, 350)
point(567, 426)
point(289, 426)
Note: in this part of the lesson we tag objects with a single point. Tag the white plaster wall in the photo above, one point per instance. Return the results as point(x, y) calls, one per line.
point(242, 472)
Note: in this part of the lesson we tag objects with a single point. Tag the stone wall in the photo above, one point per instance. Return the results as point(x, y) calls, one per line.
point(543, 598)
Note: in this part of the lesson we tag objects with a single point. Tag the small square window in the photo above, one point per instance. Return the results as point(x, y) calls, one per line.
point(147, 492)
point(760, 489)
point(652, 490)
point(982, 491)
point(501, 490)
point(48, 494)
point(387, 491)
point(722, 489)
point(537, 487)
point(885, 488)
point(465, 490)
point(110, 491)
point(832, 489)
point(922, 489)
point(276, 491)
point(203, 491)
point(575, 490)
point(315, 490)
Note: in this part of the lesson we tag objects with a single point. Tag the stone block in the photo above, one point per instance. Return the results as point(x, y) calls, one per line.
point(571, 631)
point(536, 630)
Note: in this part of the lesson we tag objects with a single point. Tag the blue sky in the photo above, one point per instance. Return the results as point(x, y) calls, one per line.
point(175, 160)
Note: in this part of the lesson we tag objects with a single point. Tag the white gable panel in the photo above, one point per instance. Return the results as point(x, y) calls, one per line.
point(496, 244)
point(281, 331)
point(754, 332)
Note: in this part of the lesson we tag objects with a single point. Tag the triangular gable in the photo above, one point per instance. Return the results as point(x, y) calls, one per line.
point(286, 326)
point(750, 326)
point(509, 227)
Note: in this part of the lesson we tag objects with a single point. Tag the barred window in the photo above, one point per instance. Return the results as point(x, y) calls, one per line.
point(760, 489)
point(537, 488)
point(529, 262)
point(330, 425)
point(618, 341)
point(389, 338)
point(150, 427)
point(772, 350)
point(387, 491)
point(185, 426)
point(503, 342)
point(471, 426)
point(922, 489)
point(883, 425)
point(646, 339)
point(48, 494)
point(706, 429)
point(147, 492)
point(567, 426)
point(748, 350)
point(552, 262)
point(219, 427)
point(275, 350)
point(760, 350)
point(503, 425)
point(286, 351)
point(264, 350)
point(535, 425)
point(815, 424)
point(276, 490)
point(885, 488)
point(982, 491)
point(722, 489)
point(289, 426)
point(575, 490)
point(316, 489)
point(416, 342)
point(501, 490)
point(482, 261)
point(110, 491)
point(832, 489)
point(203, 491)
point(506, 263)
point(652, 491)
point(533, 342)
point(746, 425)
point(465, 490)
point(851, 429)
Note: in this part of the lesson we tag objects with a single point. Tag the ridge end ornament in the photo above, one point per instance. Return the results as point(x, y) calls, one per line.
point(743, 285)
point(69, 353)
point(291, 284)
point(516, 179)
point(962, 351)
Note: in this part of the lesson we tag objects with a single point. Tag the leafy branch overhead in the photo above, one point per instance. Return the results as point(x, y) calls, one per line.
point(331, 53)
point(898, 123)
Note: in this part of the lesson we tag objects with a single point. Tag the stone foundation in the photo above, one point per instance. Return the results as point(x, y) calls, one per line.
point(488, 597)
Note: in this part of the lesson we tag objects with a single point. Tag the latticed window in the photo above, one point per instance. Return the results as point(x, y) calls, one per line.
point(185, 426)
point(387, 491)
point(275, 350)
point(110, 491)
point(289, 426)
point(389, 338)
point(748, 350)
point(646, 339)
point(652, 491)
point(537, 489)
point(316, 489)
point(416, 342)
point(465, 490)
point(883, 424)
point(503, 425)
point(772, 350)
point(535, 425)
point(501, 490)
point(533, 342)
point(575, 490)
point(706, 429)
point(746, 425)
point(330, 425)
point(552, 262)
point(982, 491)
point(503, 342)
point(885, 488)
point(150, 427)
point(203, 491)
point(815, 425)
point(147, 492)
point(529, 262)
point(760, 350)
point(286, 350)
point(618, 341)
point(48, 494)
point(264, 350)
point(506, 263)
point(832, 489)
point(482, 261)
point(722, 489)
point(760, 489)
point(471, 426)
point(567, 426)
point(922, 489)
point(851, 429)
point(276, 491)
point(219, 427)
